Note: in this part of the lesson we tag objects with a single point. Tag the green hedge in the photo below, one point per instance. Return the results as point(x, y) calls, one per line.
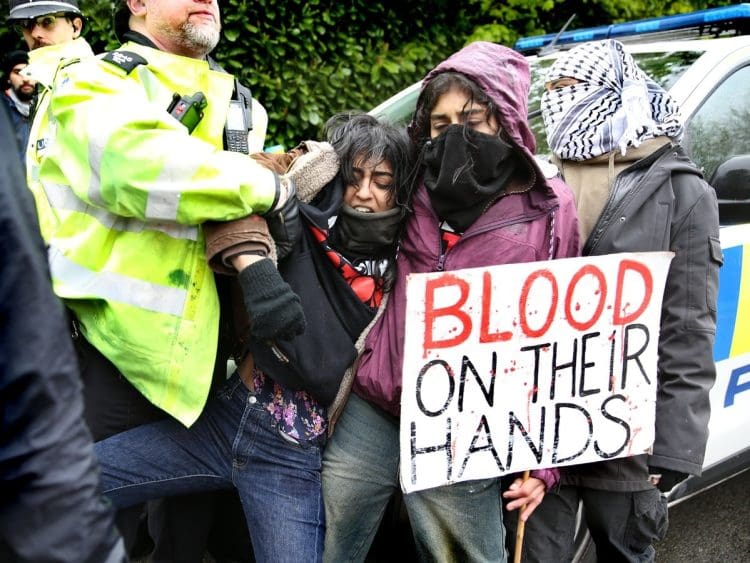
point(305, 60)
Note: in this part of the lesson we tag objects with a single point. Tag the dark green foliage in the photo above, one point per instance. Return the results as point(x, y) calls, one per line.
point(307, 59)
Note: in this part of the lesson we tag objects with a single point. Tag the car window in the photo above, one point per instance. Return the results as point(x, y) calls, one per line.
point(719, 129)
point(666, 68)
point(399, 113)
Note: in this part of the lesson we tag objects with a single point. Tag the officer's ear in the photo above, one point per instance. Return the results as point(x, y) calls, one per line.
point(137, 7)
point(77, 27)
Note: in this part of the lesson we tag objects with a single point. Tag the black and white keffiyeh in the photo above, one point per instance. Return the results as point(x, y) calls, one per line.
point(614, 106)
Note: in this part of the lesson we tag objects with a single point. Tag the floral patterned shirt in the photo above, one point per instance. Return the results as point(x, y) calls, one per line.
point(295, 413)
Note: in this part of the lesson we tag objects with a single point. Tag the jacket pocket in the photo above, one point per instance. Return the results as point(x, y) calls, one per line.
point(648, 521)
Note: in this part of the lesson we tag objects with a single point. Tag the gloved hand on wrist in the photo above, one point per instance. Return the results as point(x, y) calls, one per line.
point(275, 310)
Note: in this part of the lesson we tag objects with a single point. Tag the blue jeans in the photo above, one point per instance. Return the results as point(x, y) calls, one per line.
point(461, 522)
point(232, 444)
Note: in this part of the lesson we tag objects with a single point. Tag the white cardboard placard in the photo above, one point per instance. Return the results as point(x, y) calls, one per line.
point(525, 366)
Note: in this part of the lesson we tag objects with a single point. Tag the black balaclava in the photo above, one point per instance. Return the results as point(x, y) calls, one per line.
point(465, 171)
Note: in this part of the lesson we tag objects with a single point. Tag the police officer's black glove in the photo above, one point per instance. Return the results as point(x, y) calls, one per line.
point(669, 478)
point(275, 310)
point(283, 220)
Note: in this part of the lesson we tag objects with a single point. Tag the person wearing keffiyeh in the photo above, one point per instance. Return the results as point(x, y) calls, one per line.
point(615, 136)
point(612, 105)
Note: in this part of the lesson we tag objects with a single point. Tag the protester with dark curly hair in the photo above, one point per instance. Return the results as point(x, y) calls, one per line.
point(19, 90)
point(264, 430)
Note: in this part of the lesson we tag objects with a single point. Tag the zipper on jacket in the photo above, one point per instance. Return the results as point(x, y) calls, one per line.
point(442, 256)
point(278, 353)
point(441, 253)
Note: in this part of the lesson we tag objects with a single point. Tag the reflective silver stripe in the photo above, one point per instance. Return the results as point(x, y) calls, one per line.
point(96, 150)
point(174, 230)
point(116, 287)
point(62, 197)
point(149, 82)
point(163, 200)
point(163, 195)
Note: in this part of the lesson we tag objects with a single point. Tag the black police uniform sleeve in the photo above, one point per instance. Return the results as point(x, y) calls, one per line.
point(49, 479)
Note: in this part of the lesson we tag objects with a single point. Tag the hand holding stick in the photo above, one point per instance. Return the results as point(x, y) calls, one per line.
point(520, 528)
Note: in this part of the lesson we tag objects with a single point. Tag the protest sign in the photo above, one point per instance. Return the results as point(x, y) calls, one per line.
point(526, 366)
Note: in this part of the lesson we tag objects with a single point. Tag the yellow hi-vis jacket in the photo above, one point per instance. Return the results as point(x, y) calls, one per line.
point(130, 188)
point(43, 64)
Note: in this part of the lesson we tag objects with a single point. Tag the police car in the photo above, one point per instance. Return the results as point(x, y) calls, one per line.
point(703, 59)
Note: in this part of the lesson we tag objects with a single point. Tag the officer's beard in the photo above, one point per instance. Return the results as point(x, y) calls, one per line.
point(201, 39)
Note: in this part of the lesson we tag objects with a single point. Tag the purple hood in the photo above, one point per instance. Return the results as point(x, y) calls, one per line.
point(504, 76)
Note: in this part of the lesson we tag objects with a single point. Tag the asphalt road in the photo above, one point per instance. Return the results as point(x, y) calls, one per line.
point(712, 527)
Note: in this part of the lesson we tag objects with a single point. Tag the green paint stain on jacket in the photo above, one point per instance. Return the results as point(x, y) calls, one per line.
point(179, 278)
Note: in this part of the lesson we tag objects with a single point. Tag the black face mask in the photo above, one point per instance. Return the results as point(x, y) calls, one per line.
point(367, 234)
point(465, 171)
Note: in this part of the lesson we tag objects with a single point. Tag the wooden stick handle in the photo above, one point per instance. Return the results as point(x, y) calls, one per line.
point(520, 528)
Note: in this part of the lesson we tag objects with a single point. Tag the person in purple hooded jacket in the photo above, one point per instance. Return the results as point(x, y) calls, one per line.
point(482, 199)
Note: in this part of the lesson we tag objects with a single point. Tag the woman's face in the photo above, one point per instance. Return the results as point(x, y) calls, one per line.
point(372, 190)
point(455, 108)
